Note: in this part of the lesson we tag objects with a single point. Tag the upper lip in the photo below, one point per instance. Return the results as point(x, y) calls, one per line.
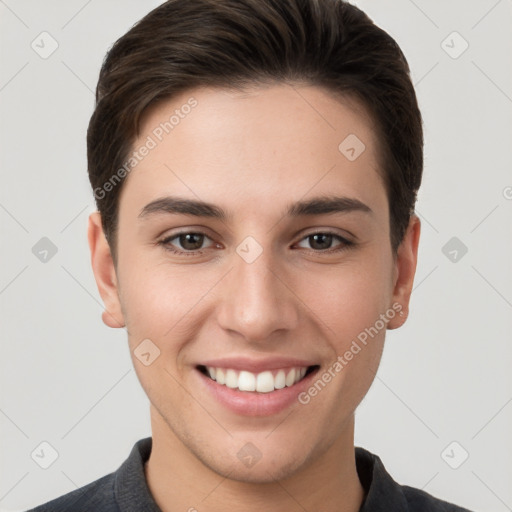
point(257, 365)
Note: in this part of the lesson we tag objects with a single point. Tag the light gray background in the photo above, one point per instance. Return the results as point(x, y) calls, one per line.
point(445, 376)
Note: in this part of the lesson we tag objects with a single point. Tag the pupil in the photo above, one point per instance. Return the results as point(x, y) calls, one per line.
point(322, 241)
point(191, 241)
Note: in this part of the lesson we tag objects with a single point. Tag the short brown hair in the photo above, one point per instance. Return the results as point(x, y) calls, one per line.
point(235, 43)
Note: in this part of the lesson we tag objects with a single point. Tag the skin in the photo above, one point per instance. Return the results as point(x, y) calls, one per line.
point(252, 153)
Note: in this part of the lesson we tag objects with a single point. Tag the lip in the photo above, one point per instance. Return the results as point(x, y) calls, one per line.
point(250, 403)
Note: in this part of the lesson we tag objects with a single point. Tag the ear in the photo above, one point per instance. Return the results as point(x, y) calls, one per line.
point(104, 272)
point(405, 269)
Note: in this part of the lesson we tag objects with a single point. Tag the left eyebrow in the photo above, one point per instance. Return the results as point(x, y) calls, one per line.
point(326, 205)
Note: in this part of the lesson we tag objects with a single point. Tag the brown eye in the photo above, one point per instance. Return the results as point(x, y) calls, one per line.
point(191, 241)
point(188, 242)
point(322, 242)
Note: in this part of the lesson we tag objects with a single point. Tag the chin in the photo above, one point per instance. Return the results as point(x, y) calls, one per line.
point(262, 472)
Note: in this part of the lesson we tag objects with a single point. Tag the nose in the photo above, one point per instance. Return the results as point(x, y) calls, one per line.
point(257, 302)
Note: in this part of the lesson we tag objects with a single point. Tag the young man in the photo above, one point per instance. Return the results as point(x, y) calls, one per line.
point(255, 165)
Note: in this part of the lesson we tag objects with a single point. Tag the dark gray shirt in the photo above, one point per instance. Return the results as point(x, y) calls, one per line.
point(126, 490)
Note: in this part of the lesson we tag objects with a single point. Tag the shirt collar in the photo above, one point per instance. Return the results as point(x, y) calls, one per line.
point(382, 492)
point(130, 486)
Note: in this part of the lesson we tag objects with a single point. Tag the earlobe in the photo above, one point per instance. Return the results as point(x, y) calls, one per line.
point(104, 272)
point(405, 266)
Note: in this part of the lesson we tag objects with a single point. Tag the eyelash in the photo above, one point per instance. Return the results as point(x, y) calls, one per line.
point(345, 244)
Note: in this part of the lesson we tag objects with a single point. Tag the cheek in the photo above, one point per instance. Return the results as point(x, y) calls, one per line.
point(159, 299)
point(350, 297)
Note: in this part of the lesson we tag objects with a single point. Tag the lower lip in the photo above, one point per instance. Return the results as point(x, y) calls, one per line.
point(250, 403)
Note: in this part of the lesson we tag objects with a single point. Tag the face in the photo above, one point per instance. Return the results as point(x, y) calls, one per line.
point(254, 257)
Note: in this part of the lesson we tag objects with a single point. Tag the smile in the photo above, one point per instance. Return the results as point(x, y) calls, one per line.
point(263, 382)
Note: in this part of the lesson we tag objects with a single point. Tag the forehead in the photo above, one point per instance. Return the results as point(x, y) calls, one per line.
point(256, 146)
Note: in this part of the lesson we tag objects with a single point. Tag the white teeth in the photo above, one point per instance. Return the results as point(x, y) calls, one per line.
point(264, 382)
point(246, 381)
point(280, 380)
point(290, 378)
point(231, 379)
point(220, 376)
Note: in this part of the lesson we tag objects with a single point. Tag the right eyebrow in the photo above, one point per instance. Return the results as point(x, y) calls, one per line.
point(177, 205)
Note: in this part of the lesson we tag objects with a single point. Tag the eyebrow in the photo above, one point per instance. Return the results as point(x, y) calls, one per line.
point(310, 207)
point(326, 205)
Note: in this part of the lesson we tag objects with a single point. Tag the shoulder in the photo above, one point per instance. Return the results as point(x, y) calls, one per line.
point(384, 494)
point(123, 490)
point(420, 501)
point(97, 496)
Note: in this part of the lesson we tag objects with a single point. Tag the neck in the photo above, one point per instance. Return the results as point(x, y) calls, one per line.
point(179, 481)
